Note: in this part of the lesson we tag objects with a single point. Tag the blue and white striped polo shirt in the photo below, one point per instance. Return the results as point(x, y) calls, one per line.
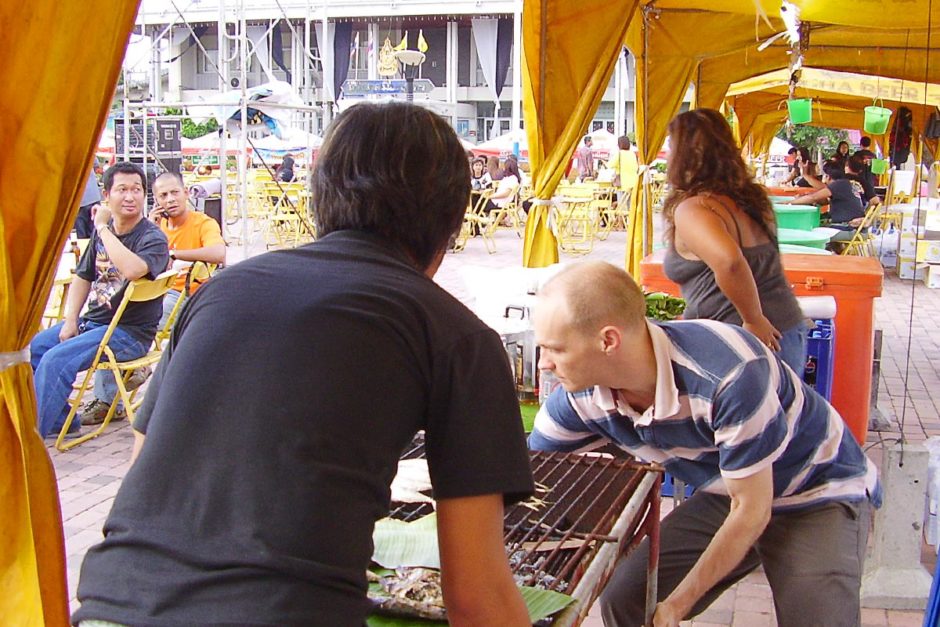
point(725, 406)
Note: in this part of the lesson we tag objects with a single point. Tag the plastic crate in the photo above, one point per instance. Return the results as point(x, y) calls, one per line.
point(669, 487)
point(819, 346)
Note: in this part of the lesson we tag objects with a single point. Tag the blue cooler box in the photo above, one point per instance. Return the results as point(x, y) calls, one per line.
point(818, 371)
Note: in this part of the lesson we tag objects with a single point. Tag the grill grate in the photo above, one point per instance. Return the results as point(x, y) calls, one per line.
point(550, 543)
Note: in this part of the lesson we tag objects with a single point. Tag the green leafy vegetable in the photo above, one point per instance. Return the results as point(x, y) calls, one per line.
point(662, 306)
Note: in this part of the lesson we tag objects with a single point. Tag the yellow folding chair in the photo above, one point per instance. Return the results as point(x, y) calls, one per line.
point(861, 242)
point(479, 222)
point(198, 272)
point(138, 291)
point(575, 224)
point(496, 217)
point(55, 305)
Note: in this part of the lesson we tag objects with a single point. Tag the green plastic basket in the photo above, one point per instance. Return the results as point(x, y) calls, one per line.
point(799, 217)
point(879, 166)
point(876, 119)
point(800, 110)
point(802, 238)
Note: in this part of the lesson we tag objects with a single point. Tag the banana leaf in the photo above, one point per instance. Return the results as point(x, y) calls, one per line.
point(400, 544)
point(540, 603)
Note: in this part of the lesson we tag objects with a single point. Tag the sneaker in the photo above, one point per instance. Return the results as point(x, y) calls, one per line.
point(93, 413)
point(138, 377)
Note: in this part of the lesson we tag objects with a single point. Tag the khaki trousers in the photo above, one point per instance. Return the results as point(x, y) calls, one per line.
point(813, 559)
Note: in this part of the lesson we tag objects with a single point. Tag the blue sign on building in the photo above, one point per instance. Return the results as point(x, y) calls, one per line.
point(385, 86)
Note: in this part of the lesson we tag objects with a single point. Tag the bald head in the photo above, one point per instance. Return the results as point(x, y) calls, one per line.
point(597, 294)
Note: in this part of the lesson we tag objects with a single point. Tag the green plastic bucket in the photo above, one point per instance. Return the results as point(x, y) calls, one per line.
point(802, 238)
point(798, 217)
point(795, 249)
point(876, 120)
point(800, 110)
point(879, 166)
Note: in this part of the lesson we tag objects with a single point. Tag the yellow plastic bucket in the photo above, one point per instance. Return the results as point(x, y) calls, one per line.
point(879, 166)
point(876, 119)
point(800, 110)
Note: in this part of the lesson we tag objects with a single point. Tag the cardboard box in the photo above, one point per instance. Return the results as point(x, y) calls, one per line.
point(928, 251)
point(932, 223)
point(909, 269)
point(932, 276)
point(907, 247)
point(889, 258)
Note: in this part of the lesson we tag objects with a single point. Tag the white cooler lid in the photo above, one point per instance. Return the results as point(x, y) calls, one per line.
point(818, 307)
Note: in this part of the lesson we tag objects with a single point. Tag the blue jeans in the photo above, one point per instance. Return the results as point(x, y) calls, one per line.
point(793, 349)
point(56, 364)
point(105, 387)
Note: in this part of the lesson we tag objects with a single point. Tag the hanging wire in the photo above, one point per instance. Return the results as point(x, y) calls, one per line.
point(916, 222)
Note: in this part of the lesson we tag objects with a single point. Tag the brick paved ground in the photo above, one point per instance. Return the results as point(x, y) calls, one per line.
point(90, 475)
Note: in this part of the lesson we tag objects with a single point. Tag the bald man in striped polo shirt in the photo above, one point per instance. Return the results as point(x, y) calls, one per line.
point(779, 479)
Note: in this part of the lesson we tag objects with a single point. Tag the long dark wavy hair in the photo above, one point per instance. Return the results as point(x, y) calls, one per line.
point(704, 159)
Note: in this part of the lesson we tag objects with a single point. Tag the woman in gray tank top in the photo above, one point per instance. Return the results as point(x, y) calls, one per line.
point(722, 236)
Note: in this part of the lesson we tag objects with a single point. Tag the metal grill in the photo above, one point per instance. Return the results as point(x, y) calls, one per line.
point(589, 510)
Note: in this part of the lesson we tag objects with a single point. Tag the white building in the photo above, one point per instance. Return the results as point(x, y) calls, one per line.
point(281, 40)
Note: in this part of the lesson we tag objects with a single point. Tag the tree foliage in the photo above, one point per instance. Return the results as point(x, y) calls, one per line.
point(813, 137)
point(192, 130)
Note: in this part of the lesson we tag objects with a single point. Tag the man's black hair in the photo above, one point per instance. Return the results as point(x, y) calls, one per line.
point(396, 170)
point(124, 167)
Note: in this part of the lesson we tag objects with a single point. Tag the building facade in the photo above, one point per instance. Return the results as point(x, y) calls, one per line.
point(213, 45)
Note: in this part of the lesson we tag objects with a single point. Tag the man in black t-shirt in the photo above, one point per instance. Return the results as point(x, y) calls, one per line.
point(124, 247)
point(865, 155)
point(291, 385)
point(848, 195)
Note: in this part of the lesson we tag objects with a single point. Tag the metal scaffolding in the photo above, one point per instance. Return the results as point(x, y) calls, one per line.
point(234, 48)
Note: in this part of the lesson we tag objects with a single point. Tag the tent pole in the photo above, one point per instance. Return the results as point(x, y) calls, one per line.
point(222, 66)
point(646, 212)
point(243, 136)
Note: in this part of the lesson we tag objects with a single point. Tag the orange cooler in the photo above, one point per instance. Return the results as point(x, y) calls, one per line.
point(854, 282)
point(788, 191)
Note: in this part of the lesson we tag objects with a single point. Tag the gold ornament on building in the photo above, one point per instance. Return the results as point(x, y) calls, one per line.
point(388, 64)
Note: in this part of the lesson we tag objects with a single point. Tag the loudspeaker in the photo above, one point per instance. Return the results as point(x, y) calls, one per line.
point(168, 135)
point(213, 208)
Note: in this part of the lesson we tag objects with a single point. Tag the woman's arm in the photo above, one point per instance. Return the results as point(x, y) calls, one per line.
point(704, 233)
point(809, 175)
point(819, 197)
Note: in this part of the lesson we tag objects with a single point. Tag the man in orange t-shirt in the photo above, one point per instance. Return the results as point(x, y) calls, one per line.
point(192, 236)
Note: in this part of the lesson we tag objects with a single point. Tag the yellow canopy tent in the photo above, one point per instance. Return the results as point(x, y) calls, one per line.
point(61, 62)
point(563, 81)
point(713, 43)
point(839, 99)
point(758, 94)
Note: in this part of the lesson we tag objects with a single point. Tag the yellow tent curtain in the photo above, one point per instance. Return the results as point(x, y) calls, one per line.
point(563, 81)
point(668, 46)
point(714, 43)
point(61, 61)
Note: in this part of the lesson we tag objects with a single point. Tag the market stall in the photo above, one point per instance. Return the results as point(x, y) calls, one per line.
point(588, 511)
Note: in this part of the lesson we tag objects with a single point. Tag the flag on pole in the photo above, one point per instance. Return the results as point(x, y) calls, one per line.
point(422, 42)
point(403, 45)
point(354, 50)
